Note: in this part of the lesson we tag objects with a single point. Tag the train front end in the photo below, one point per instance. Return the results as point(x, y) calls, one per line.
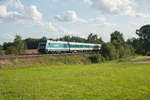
point(42, 47)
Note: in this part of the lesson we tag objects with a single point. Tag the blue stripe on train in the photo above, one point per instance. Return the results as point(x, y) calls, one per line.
point(66, 50)
point(57, 50)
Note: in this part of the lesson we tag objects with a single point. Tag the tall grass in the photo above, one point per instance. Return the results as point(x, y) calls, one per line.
point(44, 61)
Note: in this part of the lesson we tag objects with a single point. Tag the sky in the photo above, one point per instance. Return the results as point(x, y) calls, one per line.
point(56, 18)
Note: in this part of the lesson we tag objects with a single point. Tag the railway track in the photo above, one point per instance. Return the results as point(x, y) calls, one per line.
point(39, 55)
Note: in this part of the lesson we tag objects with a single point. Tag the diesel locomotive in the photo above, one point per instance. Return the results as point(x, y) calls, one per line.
point(49, 46)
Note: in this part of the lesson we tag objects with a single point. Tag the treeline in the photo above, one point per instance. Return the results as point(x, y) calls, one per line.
point(31, 43)
point(142, 43)
point(115, 49)
point(18, 46)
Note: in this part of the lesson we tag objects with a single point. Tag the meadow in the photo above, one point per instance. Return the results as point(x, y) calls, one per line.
point(105, 81)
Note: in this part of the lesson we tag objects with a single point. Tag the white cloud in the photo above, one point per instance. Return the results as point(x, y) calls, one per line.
point(49, 26)
point(31, 17)
point(117, 7)
point(105, 24)
point(8, 16)
point(35, 17)
point(14, 3)
point(8, 36)
point(98, 19)
point(69, 16)
point(101, 22)
point(33, 14)
point(3, 11)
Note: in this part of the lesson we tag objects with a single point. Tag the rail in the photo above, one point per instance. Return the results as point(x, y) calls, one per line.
point(40, 55)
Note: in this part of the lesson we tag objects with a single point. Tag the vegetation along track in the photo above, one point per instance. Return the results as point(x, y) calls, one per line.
point(39, 55)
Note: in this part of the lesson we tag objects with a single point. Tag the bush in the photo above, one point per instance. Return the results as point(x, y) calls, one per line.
point(116, 50)
point(96, 58)
point(2, 52)
point(109, 52)
point(11, 50)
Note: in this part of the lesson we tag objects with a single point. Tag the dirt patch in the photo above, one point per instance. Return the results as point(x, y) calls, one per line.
point(144, 61)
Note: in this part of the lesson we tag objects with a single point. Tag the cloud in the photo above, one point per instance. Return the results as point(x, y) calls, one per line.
point(49, 26)
point(30, 17)
point(116, 7)
point(33, 14)
point(101, 22)
point(98, 19)
point(69, 16)
point(8, 16)
point(105, 24)
point(35, 17)
point(14, 3)
point(8, 36)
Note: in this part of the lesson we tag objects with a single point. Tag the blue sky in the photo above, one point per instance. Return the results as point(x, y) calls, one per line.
point(56, 18)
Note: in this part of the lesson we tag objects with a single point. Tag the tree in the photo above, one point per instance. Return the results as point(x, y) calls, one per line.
point(93, 38)
point(1, 47)
point(44, 38)
point(77, 39)
point(117, 36)
point(7, 44)
point(31, 43)
point(108, 51)
point(72, 39)
point(19, 44)
point(137, 44)
point(144, 36)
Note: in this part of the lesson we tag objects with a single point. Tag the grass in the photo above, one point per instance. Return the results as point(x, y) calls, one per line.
point(139, 58)
point(135, 59)
point(107, 81)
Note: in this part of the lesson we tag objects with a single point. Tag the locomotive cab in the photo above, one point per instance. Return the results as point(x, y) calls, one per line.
point(42, 46)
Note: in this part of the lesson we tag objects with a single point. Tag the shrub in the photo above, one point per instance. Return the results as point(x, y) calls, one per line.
point(96, 58)
point(2, 52)
point(109, 52)
point(11, 50)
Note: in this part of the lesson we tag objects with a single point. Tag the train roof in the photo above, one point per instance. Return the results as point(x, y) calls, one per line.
point(72, 42)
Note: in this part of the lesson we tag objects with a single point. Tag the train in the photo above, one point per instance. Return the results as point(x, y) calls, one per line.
point(50, 46)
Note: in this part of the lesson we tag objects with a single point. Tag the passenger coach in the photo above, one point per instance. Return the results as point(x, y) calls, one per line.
point(48, 46)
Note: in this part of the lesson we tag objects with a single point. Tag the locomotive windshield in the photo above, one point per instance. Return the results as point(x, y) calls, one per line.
point(42, 45)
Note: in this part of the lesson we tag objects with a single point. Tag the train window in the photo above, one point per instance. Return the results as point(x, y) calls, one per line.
point(42, 44)
point(71, 46)
point(65, 45)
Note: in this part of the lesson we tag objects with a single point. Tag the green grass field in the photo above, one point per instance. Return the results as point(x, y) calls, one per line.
point(108, 81)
